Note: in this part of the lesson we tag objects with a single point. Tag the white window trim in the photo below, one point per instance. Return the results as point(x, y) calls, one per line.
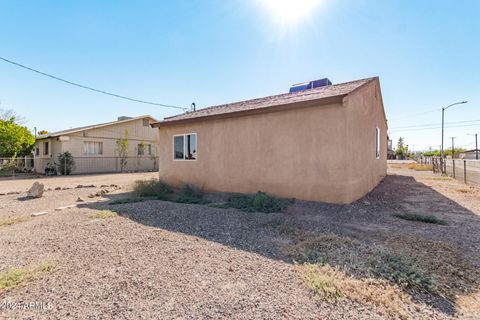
point(184, 146)
point(378, 143)
point(92, 154)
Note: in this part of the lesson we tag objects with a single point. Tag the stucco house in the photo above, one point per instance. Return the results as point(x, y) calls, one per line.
point(320, 142)
point(95, 148)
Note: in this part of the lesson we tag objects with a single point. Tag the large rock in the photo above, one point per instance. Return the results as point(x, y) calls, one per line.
point(36, 191)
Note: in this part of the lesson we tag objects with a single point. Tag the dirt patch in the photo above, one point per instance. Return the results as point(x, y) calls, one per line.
point(161, 259)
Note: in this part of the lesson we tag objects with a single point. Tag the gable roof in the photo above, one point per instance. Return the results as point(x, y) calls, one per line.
point(94, 126)
point(326, 93)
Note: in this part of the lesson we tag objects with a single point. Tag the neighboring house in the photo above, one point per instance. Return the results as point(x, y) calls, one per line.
point(95, 147)
point(326, 143)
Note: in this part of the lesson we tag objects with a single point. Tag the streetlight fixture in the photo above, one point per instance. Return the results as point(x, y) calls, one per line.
point(476, 144)
point(443, 122)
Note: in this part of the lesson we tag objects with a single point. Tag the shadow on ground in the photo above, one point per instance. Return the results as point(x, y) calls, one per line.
point(448, 252)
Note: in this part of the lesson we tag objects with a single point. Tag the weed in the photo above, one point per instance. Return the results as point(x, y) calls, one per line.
point(440, 178)
point(464, 190)
point(10, 221)
point(421, 218)
point(12, 278)
point(104, 214)
point(400, 270)
point(152, 188)
point(323, 281)
point(259, 202)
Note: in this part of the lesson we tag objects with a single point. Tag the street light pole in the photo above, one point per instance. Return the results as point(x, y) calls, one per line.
point(443, 122)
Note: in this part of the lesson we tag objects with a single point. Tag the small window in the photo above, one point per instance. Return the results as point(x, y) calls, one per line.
point(377, 142)
point(144, 149)
point(45, 149)
point(37, 151)
point(91, 147)
point(146, 122)
point(185, 147)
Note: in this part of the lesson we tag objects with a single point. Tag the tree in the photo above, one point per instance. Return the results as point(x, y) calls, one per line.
point(15, 140)
point(11, 115)
point(401, 150)
point(122, 149)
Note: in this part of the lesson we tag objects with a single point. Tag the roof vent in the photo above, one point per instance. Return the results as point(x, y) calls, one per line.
point(121, 118)
point(310, 85)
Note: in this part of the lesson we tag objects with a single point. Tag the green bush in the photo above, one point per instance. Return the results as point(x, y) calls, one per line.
point(152, 188)
point(66, 163)
point(259, 202)
point(191, 194)
point(405, 273)
point(421, 218)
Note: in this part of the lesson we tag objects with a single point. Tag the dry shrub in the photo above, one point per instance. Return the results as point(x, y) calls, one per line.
point(14, 277)
point(332, 285)
point(455, 276)
point(420, 167)
point(466, 190)
point(336, 268)
point(12, 220)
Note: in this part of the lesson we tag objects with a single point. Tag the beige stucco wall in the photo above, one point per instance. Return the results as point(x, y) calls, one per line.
point(108, 135)
point(365, 112)
point(321, 153)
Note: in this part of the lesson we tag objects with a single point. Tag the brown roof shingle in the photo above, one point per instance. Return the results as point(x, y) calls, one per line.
point(335, 90)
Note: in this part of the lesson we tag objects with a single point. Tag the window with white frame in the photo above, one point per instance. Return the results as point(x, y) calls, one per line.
point(185, 147)
point(144, 149)
point(45, 148)
point(92, 148)
point(377, 142)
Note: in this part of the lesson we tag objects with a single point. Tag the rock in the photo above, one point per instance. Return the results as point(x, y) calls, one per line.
point(36, 191)
point(79, 186)
point(41, 213)
point(91, 195)
point(104, 186)
point(58, 188)
point(80, 199)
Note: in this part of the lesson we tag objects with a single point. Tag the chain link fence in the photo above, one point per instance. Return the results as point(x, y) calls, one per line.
point(465, 170)
point(11, 167)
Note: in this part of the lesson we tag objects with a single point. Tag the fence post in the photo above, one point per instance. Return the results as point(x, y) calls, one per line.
point(453, 168)
point(465, 171)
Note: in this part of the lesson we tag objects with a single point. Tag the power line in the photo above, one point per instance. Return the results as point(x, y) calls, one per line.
point(435, 124)
point(434, 128)
point(415, 114)
point(90, 88)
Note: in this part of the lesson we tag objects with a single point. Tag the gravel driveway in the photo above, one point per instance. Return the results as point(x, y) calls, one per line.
point(166, 260)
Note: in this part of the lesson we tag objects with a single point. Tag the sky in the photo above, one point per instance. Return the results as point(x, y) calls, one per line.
point(426, 53)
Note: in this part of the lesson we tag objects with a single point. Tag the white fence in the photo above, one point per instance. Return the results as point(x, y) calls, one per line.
point(12, 166)
point(83, 165)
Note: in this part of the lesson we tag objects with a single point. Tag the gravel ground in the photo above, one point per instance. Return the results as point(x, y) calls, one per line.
point(166, 260)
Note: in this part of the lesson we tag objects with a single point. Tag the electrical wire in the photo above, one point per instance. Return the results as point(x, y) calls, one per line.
point(434, 128)
point(90, 88)
point(415, 114)
point(434, 124)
